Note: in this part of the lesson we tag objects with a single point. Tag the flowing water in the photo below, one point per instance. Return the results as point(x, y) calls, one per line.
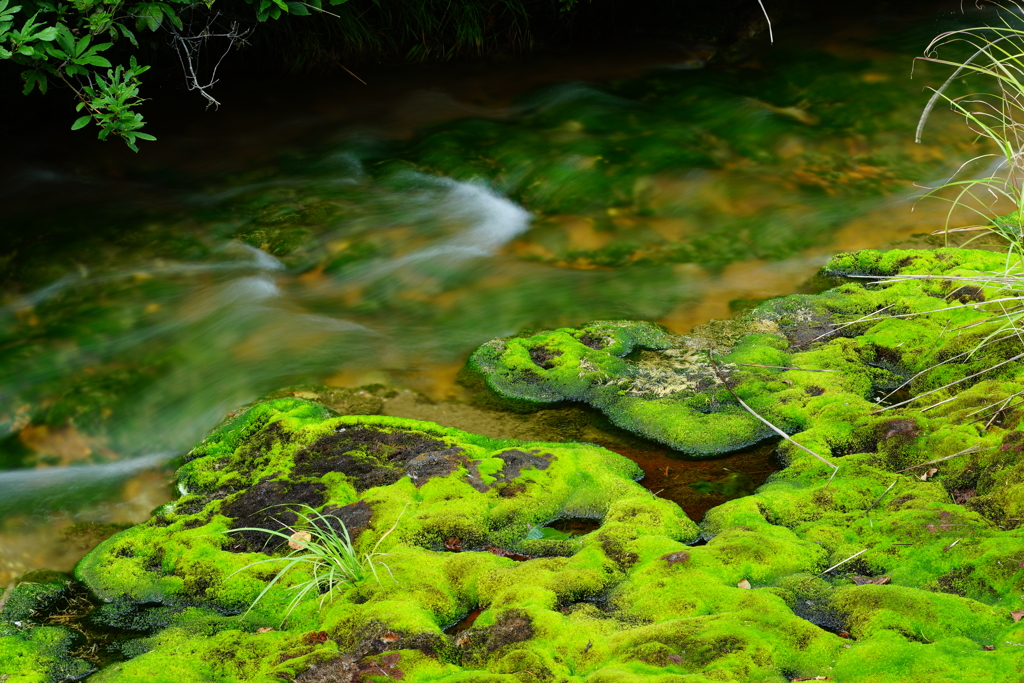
point(350, 236)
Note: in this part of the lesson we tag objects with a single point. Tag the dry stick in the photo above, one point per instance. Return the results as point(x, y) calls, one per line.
point(877, 500)
point(784, 435)
point(1004, 409)
point(948, 360)
point(351, 74)
point(853, 322)
point(993, 405)
point(782, 367)
point(842, 563)
point(946, 386)
point(972, 449)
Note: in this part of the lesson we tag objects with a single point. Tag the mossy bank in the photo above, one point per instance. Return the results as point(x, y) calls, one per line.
point(931, 593)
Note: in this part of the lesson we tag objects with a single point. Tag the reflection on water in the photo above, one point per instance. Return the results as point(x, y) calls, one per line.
point(145, 298)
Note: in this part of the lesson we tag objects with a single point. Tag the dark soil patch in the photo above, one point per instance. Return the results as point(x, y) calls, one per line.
point(268, 505)
point(967, 293)
point(373, 457)
point(961, 496)
point(355, 518)
point(593, 341)
point(434, 464)
point(516, 461)
point(899, 428)
point(542, 357)
point(511, 626)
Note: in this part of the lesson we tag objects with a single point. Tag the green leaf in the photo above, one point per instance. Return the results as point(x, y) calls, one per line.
point(298, 9)
point(81, 122)
point(47, 34)
point(83, 43)
point(32, 79)
point(5, 54)
point(145, 136)
point(66, 40)
point(95, 60)
point(127, 34)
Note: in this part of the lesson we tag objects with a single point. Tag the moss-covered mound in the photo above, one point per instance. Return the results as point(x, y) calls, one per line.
point(881, 575)
point(804, 362)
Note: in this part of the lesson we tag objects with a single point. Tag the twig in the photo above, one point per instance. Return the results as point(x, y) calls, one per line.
point(972, 449)
point(877, 500)
point(865, 318)
point(843, 562)
point(784, 435)
point(351, 74)
point(946, 386)
point(783, 367)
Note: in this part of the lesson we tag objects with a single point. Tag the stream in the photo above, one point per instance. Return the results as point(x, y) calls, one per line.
point(348, 235)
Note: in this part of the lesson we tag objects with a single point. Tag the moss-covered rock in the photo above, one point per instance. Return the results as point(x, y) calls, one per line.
point(814, 364)
point(877, 575)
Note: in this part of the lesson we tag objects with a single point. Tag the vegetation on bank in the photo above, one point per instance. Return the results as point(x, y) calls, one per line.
point(94, 48)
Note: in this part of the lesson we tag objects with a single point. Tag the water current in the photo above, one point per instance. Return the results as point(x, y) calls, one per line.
point(340, 234)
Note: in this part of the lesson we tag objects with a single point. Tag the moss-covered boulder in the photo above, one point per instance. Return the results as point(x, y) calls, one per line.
point(804, 362)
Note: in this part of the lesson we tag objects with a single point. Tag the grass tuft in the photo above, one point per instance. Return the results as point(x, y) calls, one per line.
point(322, 544)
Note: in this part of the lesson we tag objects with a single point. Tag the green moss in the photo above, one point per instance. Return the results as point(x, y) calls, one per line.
point(876, 575)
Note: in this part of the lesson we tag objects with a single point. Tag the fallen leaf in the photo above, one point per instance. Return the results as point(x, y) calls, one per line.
point(743, 584)
point(264, 629)
point(314, 637)
point(675, 659)
point(811, 678)
point(299, 540)
point(390, 637)
point(929, 474)
point(454, 545)
point(678, 557)
point(1017, 615)
point(501, 552)
point(988, 647)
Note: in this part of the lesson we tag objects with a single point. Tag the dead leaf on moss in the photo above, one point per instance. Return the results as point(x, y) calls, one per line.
point(390, 637)
point(811, 678)
point(988, 647)
point(743, 584)
point(932, 471)
point(675, 659)
point(264, 629)
point(678, 557)
point(299, 540)
point(1017, 615)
